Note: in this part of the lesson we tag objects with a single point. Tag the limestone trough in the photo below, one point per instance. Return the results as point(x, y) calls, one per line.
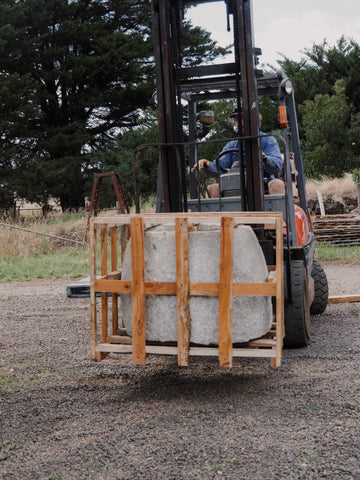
point(251, 315)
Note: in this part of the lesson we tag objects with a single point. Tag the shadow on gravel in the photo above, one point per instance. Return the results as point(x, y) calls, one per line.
point(173, 384)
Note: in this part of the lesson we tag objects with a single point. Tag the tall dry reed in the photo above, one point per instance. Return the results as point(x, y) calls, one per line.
point(336, 188)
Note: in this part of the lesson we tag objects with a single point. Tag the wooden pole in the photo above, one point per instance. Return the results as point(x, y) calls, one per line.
point(138, 289)
point(114, 297)
point(93, 320)
point(225, 292)
point(344, 298)
point(104, 299)
point(279, 301)
point(182, 288)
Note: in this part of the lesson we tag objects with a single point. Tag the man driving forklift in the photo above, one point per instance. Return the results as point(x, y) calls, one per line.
point(271, 157)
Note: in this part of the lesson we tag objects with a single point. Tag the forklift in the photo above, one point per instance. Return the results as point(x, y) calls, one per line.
point(170, 303)
point(242, 188)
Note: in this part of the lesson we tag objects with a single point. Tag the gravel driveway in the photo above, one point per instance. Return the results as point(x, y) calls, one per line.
point(63, 417)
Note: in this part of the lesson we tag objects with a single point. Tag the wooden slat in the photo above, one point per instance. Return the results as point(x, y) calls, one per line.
point(212, 289)
point(119, 339)
point(279, 299)
point(104, 299)
point(114, 348)
point(262, 342)
point(225, 292)
point(150, 219)
point(195, 289)
point(114, 299)
point(124, 286)
point(160, 288)
point(254, 289)
point(344, 298)
point(138, 289)
point(115, 275)
point(112, 286)
point(193, 351)
point(182, 287)
point(93, 318)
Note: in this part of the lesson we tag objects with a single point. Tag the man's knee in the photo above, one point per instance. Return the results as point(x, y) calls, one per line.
point(213, 190)
point(276, 187)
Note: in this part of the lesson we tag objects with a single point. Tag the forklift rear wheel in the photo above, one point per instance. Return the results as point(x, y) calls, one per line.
point(321, 289)
point(297, 313)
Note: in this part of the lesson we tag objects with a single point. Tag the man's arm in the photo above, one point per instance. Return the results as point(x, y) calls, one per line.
point(272, 160)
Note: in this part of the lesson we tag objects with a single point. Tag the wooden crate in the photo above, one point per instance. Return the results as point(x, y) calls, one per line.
point(104, 233)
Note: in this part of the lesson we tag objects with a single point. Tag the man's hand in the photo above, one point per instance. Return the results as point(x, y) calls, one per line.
point(203, 163)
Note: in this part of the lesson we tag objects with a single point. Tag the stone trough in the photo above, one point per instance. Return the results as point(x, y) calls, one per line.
point(252, 315)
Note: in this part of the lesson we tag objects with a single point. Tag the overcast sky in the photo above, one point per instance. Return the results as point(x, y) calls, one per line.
point(286, 26)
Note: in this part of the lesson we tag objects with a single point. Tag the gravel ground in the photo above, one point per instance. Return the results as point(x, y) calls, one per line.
point(63, 417)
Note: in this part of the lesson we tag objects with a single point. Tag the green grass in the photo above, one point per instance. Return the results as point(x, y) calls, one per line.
point(70, 262)
point(28, 255)
point(325, 252)
point(73, 262)
point(5, 381)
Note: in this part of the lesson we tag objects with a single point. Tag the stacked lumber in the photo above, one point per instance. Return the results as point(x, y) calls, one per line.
point(339, 230)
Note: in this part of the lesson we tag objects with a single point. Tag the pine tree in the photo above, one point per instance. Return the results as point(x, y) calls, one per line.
point(72, 72)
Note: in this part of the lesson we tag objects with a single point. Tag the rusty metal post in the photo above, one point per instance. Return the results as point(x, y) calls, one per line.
point(166, 98)
point(245, 51)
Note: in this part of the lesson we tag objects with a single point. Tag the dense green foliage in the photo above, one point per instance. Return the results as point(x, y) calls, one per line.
point(327, 92)
point(331, 133)
point(74, 74)
point(322, 66)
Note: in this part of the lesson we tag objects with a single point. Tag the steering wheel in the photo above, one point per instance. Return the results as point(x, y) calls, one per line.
point(220, 169)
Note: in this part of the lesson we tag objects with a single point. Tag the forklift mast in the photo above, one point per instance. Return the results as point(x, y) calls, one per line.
point(175, 82)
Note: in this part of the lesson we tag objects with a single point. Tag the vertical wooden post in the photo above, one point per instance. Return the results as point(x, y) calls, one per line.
point(138, 289)
point(124, 238)
point(182, 289)
point(275, 362)
point(93, 320)
point(225, 291)
point(114, 298)
point(104, 299)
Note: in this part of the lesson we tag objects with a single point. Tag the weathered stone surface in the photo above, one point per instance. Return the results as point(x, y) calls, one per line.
point(252, 316)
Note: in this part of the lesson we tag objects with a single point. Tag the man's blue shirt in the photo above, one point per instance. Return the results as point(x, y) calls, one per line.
point(269, 146)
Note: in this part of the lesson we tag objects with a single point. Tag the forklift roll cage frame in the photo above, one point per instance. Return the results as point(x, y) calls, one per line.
point(239, 80)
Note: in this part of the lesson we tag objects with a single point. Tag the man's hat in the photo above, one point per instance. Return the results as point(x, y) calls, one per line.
point(235, 112)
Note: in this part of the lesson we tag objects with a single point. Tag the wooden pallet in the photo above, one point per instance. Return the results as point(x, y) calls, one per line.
point(338, 230)
point(104, 228)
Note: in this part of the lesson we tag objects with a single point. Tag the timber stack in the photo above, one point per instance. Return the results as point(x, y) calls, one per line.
point(338, 230)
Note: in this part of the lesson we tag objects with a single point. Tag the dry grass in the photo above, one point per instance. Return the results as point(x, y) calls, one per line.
point(19, 242)
point(15, 243)
point(336, 188)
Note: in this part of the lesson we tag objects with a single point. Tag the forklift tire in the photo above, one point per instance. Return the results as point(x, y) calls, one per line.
point(297, 313)
point(321, 289)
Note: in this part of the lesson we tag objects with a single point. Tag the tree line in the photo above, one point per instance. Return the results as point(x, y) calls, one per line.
point(76, 83)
